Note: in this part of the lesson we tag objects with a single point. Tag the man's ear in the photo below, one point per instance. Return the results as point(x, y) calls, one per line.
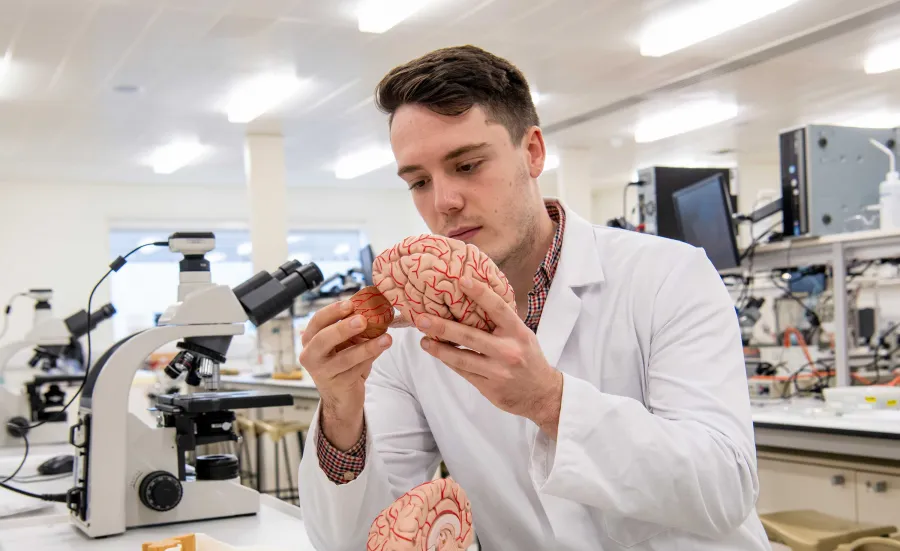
point(535, 151)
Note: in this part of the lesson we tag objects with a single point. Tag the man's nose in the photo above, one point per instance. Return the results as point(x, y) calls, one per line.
point(447, 197)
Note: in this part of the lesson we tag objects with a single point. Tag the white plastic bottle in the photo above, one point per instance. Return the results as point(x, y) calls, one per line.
point(889, 192)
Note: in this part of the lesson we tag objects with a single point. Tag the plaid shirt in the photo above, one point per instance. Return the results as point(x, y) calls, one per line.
point(342, 467)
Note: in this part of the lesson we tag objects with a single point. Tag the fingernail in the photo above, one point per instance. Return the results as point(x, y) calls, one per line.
point(426, 343)
point(423, 322)
point(346, 306)
point(466, 282)
point(383, 341)
point(357, 322)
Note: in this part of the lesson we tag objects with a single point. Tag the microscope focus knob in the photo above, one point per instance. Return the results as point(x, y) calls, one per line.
point(160, 491)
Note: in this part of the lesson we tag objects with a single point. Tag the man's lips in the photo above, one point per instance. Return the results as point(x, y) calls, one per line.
point(464, 233)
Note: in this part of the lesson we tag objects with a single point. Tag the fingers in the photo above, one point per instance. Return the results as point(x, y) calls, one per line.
point(325, 317)
point(472, 363)
point(330, 337)
point(493, 304)
point(456, 332)
point(361, 353)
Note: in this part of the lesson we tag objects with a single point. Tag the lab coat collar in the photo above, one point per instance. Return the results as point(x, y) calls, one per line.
point(579, 266)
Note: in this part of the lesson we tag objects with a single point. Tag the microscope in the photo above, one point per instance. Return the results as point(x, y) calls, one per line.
point(58, 355)
point(129, 474)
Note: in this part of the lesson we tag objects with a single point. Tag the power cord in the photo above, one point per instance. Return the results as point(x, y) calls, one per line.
point(114, 266)
point(639, 183)
point(7, 311)
point(21, 463)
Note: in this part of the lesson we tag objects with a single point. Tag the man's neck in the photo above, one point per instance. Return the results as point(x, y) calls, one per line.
point(521, 275)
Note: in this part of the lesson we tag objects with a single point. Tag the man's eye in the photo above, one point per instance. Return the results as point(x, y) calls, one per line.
point(416, 185)
point(469, 167)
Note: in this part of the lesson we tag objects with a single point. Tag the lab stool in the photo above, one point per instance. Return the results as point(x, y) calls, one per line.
point(277, 431)
point(815, 531)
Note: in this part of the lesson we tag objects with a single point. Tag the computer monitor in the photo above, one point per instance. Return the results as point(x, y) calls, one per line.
point(704, 215)
point(366, 259)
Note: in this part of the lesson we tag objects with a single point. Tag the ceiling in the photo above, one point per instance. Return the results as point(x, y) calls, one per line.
point(62, 119)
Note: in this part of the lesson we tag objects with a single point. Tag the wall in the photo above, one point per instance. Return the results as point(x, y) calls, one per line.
point(56, 235)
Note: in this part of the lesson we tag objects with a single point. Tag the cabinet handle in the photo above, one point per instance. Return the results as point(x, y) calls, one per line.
point(880, 487)
point(838, 480)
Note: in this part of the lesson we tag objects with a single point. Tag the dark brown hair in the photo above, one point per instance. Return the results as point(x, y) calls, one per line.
point(450, 81)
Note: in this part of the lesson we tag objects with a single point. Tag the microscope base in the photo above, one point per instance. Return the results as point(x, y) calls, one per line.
point(201, 500)
point(14, 404)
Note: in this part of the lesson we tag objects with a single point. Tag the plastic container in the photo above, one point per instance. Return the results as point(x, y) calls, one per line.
point(851, 398)
point(889, 192)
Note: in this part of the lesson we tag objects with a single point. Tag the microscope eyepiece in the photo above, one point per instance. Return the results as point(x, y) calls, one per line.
point(265, 295)
point(78, 322)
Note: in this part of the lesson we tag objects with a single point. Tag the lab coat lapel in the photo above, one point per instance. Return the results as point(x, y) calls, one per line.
point(579, 266)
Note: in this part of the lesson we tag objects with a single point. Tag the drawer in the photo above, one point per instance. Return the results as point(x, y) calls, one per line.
point(878, 498)
point(786, 486)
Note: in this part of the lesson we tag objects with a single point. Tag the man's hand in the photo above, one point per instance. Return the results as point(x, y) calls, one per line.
point(506, 366)
point(340, 377)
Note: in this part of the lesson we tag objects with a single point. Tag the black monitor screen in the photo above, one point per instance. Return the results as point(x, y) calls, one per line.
point(703, 212)
point(366, 258)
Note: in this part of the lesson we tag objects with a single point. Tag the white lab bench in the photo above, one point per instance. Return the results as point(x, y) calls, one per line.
point(844, 465)
point(278, 526)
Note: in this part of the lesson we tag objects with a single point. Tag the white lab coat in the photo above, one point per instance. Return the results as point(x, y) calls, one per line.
point(655, 448)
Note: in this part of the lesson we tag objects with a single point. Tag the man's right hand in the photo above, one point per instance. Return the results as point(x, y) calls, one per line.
point(340, 377)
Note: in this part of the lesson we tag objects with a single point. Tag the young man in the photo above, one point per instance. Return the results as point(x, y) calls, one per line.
point(611, 413)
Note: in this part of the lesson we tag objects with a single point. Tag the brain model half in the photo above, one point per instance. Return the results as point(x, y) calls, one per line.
point(379, 313)
point(435, 516)
point(421, 275)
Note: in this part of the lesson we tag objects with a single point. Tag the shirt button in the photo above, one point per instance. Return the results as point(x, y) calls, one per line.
point(349, 477)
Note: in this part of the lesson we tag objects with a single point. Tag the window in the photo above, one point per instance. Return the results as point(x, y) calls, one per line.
point(148, 284)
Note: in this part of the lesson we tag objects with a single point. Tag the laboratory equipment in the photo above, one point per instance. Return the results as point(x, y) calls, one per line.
point(704, 219)
point(366, 259)
point(889, 191)
point(36, 409)
point(829, 175)
point(655, 204)
point(128, 474)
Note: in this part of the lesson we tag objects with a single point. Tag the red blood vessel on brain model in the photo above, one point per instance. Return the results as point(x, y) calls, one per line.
point(435, 516)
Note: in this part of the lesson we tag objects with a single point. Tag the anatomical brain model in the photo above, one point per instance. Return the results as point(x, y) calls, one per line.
point(435, 516)
point(421, 274)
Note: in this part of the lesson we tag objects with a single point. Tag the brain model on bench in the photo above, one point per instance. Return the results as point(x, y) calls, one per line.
point(435, 516)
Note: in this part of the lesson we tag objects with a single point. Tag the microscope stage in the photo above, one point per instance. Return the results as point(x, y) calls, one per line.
point(204, 402)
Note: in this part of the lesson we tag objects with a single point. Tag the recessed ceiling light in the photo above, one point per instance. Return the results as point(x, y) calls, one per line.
point(684, 119)
point(702, 21)
point(883, 59)
point(363, 162)
point(261, 94)
point(171, 157)
point(378, 16)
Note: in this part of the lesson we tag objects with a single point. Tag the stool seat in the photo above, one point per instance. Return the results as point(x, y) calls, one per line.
point(807, 530)
point(278, 429)
point(891, 543)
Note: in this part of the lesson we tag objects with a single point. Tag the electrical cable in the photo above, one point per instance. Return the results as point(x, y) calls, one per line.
point(21, 463)
point(7, 311)
point(114, 266)
point(639, 183)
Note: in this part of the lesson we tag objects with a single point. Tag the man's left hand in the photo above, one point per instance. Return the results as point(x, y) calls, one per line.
point(506, 366)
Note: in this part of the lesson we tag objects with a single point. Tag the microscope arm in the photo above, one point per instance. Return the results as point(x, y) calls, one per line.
point(8, 351)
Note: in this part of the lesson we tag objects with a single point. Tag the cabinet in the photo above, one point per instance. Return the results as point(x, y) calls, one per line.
point(864, 492)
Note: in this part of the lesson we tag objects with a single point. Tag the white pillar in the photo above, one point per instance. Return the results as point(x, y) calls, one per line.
point(267, 192)
point(573, 181)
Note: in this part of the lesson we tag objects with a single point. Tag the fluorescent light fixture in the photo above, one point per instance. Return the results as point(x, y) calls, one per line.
point(342, 249)
point(378, 16)
point(363, 162)
point(244, 249)
point(883, 59)
point(149, 250)
point(551, 162)
point(702, 21)
point(260, 94)
point(171, 157)
point(684, 119)
point(216, 256)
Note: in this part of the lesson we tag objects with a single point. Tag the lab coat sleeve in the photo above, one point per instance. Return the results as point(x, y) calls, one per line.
point(687, 459)
point(400, 454)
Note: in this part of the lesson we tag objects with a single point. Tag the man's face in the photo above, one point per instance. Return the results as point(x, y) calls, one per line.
point(468, 180)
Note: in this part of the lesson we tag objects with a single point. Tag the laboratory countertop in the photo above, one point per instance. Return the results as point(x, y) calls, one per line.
point(277, 527)
point(28, 480)
point(814, 416)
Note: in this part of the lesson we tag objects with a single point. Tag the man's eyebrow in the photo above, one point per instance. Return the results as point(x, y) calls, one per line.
point(458, 152)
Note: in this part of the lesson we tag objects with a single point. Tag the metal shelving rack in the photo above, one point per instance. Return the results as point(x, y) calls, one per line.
point(836, 251)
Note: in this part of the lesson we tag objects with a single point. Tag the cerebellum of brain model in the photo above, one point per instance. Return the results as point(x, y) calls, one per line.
point(435, 516)
point(371, 304)
point(420, 275)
